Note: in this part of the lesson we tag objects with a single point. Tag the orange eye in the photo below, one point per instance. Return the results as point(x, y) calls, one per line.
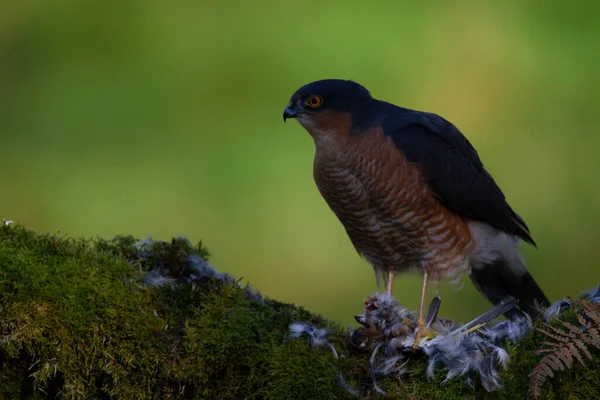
point(314, 101)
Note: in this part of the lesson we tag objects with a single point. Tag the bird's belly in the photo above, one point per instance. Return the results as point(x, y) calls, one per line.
point(383, 231)
point(389, 214)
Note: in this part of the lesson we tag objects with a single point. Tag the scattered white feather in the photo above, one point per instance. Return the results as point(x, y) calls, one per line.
point(431, 367)
point(592, 295)
point(556, 308)
point(318, 337)
point(198, 269)
point(155, 279)
point(384, 366)
point(455, 350)
point(297, 329)
point(502, 356)
point(343, 383)
point(514, 329)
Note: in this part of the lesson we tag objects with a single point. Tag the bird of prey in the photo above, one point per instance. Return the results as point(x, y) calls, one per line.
point(413, 194)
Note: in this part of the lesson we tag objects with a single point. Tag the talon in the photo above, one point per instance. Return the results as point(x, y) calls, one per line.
point(422, 332)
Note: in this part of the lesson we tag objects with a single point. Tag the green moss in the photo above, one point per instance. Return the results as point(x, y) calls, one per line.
point(75, 315)
point(312, 375)
point(77, 322)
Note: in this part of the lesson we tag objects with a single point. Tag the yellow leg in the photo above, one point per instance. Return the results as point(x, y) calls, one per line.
point(390, 282)
point(422, 330)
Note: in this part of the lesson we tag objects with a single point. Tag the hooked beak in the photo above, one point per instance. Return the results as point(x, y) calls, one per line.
point(289, 112)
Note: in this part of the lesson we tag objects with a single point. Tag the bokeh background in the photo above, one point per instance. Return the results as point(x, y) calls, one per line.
point(165, 118)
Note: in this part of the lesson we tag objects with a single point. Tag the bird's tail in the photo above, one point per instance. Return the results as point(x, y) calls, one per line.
point(492, 282)
point(498, 270)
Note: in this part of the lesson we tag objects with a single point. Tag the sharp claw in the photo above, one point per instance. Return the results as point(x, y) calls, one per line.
point(421, 333)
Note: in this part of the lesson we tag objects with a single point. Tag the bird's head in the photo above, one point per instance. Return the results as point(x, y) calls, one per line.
point(329, 104)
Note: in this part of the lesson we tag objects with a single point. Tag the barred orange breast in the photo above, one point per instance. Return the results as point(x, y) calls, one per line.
point(390, 215)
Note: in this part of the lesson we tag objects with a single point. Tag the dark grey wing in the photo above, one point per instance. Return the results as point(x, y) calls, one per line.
point(452, 169)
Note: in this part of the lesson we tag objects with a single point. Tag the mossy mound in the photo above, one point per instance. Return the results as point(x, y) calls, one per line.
point(78, 321)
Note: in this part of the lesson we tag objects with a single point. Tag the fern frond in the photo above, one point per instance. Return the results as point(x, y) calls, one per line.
point(581, 346)
point(566, 344)
point(573, 330)
point(590, 310)
point(593, 338)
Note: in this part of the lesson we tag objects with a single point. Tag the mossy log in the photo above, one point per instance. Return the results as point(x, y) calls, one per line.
point(78, 320)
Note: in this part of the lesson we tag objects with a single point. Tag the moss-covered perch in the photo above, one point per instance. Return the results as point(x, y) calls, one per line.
point(78, 319)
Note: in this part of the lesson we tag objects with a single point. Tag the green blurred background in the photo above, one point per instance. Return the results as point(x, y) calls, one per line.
point(158, 118)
